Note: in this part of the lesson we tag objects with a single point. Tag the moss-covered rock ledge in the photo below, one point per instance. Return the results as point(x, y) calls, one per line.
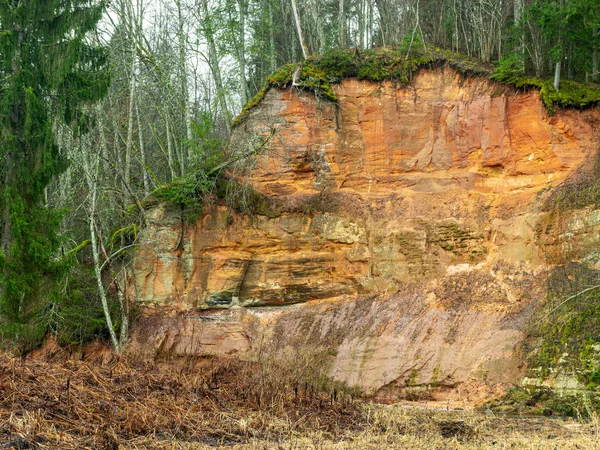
point(318, 72)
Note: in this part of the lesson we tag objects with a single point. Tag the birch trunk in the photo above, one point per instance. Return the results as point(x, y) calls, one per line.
point(361, 25)
point(342, 25)
point(91, 173)
point(299, 29)
point(557, 76)
point(595, 63)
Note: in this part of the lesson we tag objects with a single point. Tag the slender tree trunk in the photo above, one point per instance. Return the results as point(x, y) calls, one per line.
point(118, 157)
point(518, 12)
point(142, 153)
point(361, 24)
point(596, 62)
point(557, 76)
point(383, 21)
point(129, 142)
point(91, 173)
point(341, 25)
point(242, 12)
point(570, 63)
point(368, 38)
point(214, 62)
point(183, 79)
point(65, 188)
point(102, 293)
point(318, 19)
point(455, 35)
point(123, 305)
point(272, 49)
point(305, 52)
point(417, 25)
point(179, 151)
point(170, 159)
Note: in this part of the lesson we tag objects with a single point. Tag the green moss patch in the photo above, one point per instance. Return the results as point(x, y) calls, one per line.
point(564, 332)
point(319, 72)
point(543, 401)
point(571, 94)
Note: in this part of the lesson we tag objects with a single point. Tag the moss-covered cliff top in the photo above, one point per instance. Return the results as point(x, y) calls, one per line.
point(319, 72)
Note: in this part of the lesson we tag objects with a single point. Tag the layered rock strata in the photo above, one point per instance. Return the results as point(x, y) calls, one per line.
point(412, 236)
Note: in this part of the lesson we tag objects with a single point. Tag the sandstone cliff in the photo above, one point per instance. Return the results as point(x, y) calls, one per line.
point(412, 235)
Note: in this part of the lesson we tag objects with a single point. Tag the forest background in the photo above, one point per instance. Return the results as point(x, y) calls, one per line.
point(106, 104)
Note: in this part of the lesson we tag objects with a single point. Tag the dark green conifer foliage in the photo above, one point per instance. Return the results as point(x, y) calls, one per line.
point(48, 72)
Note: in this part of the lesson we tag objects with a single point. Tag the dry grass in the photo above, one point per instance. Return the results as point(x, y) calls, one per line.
point(401, 428)
point(66, 404)
point(76, 404)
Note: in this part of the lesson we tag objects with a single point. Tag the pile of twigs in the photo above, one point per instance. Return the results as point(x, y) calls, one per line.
point(75, 404)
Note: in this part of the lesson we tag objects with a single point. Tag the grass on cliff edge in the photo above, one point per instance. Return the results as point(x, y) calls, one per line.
point(319, 72)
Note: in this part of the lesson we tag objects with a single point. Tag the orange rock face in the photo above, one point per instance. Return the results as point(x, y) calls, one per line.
point(412, 239)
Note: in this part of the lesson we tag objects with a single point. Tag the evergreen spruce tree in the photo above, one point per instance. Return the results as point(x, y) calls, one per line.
point(48, 72)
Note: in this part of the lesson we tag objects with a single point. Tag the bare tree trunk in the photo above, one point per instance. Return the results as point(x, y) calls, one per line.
point(417, 25)
point(214, 61)
point(370, 25)
point(272, 49)
point(142, 153)
point(305, 52)
point(91, 173)
point(129, 142)
point(318, 20)
point(342, 25)
point(361, 24)
point(557, 68)
point(242, 12)
point(595, 57)
point(455, 35)
point(557, 76)
point(517, 13)
point(181, 154)
point(124, 332)
point(595, 62)
point(391, 18)
point(183, 79)
point(170, 159)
